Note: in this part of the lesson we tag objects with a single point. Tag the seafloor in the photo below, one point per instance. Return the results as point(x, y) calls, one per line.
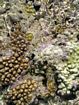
point(39, 52)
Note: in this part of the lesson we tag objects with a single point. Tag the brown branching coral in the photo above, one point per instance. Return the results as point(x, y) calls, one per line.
point(12, 67)
point(22, 93)
point(25, 92)
point(18, 40)
point(18, 43)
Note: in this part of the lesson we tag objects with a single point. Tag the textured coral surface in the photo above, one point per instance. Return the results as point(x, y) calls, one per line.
point(39, 52)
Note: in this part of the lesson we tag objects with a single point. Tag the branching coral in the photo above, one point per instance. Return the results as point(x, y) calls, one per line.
point(22, 93)
point(47, 72)
point(12, 67)
point(68, 76)
point(27, 90)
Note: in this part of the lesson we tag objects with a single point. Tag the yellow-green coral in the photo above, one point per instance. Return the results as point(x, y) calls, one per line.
point(74, 56)
point(28, 9)
point(1, 2)
point(60, 29)
point(70, 71)
point(29, 36)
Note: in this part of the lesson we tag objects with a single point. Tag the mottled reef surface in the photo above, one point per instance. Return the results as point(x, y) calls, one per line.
point(39, 52)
